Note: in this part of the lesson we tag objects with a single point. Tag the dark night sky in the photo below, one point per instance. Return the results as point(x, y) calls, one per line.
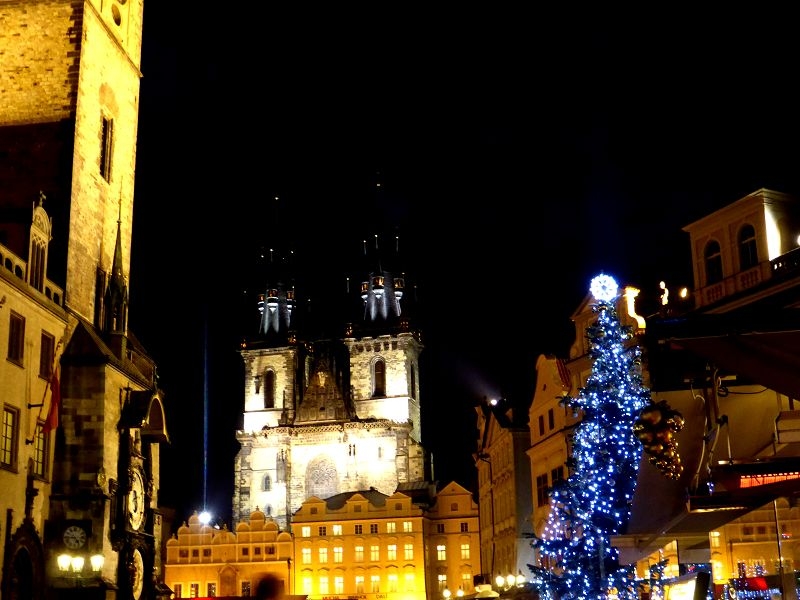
point(521, 154)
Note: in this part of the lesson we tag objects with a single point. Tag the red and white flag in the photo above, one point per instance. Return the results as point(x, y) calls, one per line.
point(564, 374)
point(55, 404)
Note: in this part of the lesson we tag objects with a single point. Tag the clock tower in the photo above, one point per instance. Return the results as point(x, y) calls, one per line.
point(68, 133)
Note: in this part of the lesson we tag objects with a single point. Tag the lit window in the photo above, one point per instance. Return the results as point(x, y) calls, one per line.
point(337, 530)
point(408, 551)
point(375, 583)
point(359, 554)
point(466, 581)
point(391, 552)
point(391, 527)
point(323, 584)
point(374, 553)
point(212, 590)
point(410, 582)
point(338, 554)
point(306, 585)
point(359, 584)
point(392, 581)
point(178, 589)
point(338, 585)
point(464, 551)
point(305, 531)
point(441, 580)
point(306, 556)
point(194, 590)
point(41, 452)
point(8, 450)
point(323, 555)
point(441, 552)
point(407, 526)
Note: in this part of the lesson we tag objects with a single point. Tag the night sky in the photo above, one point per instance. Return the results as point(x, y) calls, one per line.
point(520, 155)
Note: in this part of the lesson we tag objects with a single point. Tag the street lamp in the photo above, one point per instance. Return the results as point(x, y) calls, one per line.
point(72, 566)
point(446, 593)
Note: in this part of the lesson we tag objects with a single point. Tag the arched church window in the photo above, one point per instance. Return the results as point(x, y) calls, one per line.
point(269, 389)
point(280, 476)
point(379, 378)
point(713, 262)
point(267, 483)
point(748, 251)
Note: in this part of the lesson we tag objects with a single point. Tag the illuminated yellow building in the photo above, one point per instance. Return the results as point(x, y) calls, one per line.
point(204, 561)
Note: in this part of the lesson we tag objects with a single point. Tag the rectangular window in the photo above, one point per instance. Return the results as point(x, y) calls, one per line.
point(391, 527)
point(373, 528)
point(305, 531)
point(541, 490)
point(323, 585)
point(408, 552)
point(207, 552)
point(338, 554)
point(391, 552)
point(323, 530)
point(183, 553)
point(177, 588)
point(306, 556)
point(41, 452)
point(16, 338)
point(407, 526)
point(307, 585)
point(245, 551)
point(46, 353)
point(8, 449)
point(359, 554)
point(359, 529)
point(337, 530)
point(441, 552)
point(194, 590)
point(107, 144)
point(323, 555)
point(257, 551)
point(359, 584)
point(466, 581)
point(212, 590)
point(375, 583)
point(441, 580)
point(374, 553)
point(410, 582)
point(556, 475)
point(195, 553)
point(440, 528)
point(338, 585)
point(464, 551)
point(551, 420)
point(464, 527)
point(541, 424)
point(392, 580)
point(245, 588)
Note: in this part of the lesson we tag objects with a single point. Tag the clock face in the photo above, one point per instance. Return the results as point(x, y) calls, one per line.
point(136, 500)
point(74, 537)
point(138, 575)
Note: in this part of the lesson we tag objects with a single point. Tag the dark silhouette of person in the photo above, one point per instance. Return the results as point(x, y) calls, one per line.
point(269, 588)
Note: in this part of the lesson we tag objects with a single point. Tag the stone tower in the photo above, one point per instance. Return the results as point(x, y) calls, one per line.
point(68, 131)
point(325, 416)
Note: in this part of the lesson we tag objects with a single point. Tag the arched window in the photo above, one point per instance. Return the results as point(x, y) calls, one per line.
point(379, 378)
point(748, 251)
point(267, 483)
point(713, 260)
point(269, 389)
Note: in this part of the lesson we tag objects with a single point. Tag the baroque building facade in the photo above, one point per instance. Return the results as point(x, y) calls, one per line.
point(82, 433)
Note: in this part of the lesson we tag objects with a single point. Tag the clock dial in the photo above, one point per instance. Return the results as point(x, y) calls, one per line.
point(138, 574)
point(74, 537)
point(136, 500)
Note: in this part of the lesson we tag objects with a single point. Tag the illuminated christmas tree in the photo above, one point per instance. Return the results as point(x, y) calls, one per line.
point(576, 558)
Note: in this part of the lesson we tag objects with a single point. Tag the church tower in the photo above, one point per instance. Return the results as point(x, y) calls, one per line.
point(325, 416)
point(68, 133)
